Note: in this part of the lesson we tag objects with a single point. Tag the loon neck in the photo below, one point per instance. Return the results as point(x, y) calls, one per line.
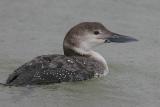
point(85, 53)
point(75, 52)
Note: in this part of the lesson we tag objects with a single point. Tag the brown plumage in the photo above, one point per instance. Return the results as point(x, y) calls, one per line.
point(78, 63)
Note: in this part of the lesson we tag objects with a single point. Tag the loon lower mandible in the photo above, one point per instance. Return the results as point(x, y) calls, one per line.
point(78, 63)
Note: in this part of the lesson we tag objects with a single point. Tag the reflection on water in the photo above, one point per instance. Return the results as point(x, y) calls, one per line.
point(116, 87)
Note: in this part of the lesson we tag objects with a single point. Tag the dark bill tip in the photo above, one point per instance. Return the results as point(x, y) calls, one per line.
point(117, 38)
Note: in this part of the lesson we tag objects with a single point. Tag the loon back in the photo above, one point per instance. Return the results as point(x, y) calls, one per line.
point(55, 69)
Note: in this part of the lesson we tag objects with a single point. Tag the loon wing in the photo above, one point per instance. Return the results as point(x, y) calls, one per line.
point(53, 69)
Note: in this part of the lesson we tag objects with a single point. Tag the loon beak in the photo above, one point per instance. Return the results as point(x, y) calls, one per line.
point(117, 38)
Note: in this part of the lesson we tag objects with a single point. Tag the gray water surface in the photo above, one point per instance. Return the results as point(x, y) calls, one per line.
point(29, 28)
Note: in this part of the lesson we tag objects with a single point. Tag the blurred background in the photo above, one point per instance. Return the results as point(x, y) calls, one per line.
point(29, 28)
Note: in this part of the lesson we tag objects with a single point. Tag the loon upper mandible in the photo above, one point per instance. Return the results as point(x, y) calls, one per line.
point(79, 61)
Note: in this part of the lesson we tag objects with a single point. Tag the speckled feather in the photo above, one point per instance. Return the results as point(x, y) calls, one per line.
point(55, 69)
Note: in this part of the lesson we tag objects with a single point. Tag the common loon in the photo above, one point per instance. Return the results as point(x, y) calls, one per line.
point(79, 61)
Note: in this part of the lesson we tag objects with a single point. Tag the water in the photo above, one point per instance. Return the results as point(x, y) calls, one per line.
point(29, 28)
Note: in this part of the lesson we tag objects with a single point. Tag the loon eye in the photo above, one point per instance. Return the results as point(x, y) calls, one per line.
point(96, 32)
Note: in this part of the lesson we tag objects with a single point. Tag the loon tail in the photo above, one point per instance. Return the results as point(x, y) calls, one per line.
point(3, 84)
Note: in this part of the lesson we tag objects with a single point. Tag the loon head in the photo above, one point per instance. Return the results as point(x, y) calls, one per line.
point(81, 38)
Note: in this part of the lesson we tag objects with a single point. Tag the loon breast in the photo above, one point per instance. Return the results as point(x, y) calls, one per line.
point(54, 69)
